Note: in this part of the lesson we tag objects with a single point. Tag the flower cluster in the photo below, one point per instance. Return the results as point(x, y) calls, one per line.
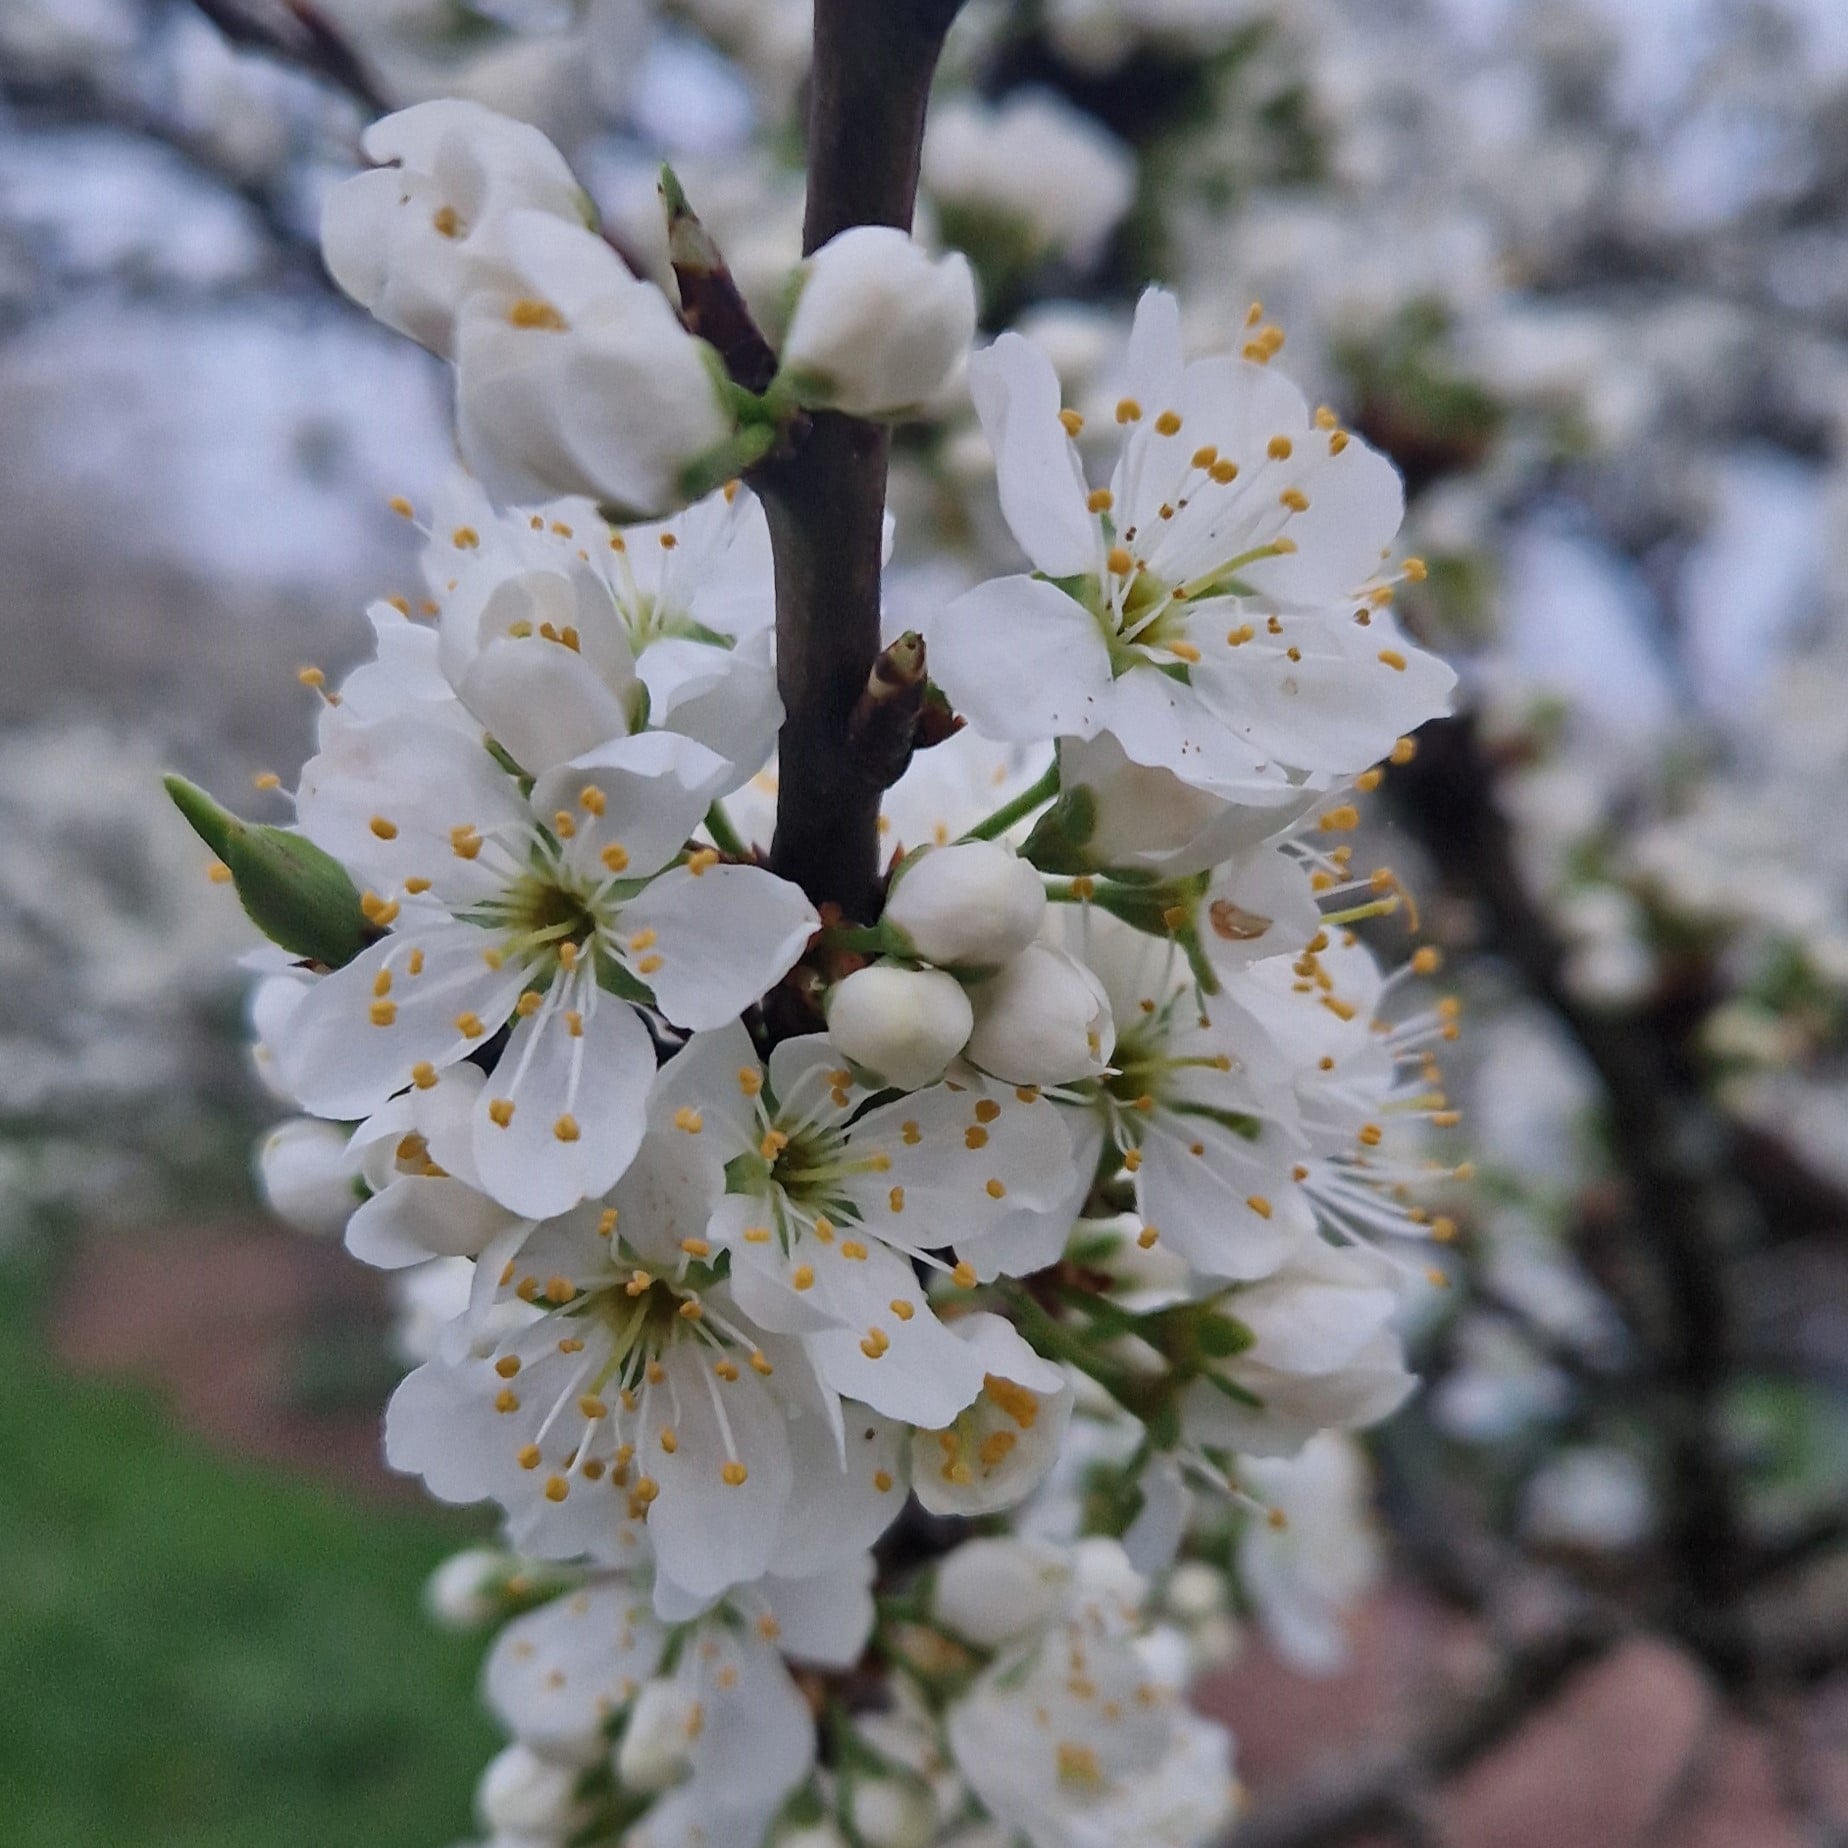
point(1089, 1153)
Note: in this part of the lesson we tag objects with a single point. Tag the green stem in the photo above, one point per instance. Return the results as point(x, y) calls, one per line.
point(724, 836)
point(1035, 795)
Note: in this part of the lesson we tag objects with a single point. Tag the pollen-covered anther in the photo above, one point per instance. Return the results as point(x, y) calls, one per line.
point(1168, 423)
point(566, 1128)
point(1148, 1237)
point(688, 1119)
point(615, 857)
point(1224, 471)
point(1119, 561)
point(701, 859)
point(373, 908)
point(500, 1111)
point(1259, 1205)
point(465, 842)
point(733, 1474)
point(875, 1343)
point(1100, 500)
point(1072, 422)
point(1128, 411)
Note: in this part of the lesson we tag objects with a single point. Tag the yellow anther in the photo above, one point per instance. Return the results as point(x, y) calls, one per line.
point(383, 1013)
point(649, 964)
point(803, 1277)
point(1416, 570)
point(1100, 500)
point(1072, 421)
point(615, 857)
point(1295, 499)
point(1168, 423)
point(1128, 411)
point(500, 1111)
point(530, 312)
point(556, 1488)
point(1259, 1205)
point(1224, 472)
point(963, 1276)
point(688, 1119)
point(1119, 560)
point(733, 1475)
point(1393, 659)
point(506, 1401)
point(1146, 1238)
point(566, 1128)
point(994, 1189)
point(1279, 448)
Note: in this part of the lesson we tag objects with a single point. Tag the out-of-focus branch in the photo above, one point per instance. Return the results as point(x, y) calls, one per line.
point(1674, 1148)
point(295, 32)
point(79, 101)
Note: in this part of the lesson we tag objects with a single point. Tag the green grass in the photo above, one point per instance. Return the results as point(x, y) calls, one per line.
point(202, 1653)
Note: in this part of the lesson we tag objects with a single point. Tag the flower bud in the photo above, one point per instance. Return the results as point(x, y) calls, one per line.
point(990, 1591)
point(307, 1175)
point(891, 1812)
point(657, 1744)
point(573, 377)
point(902, 1025)
point(412, 238)
point(521, 1793)
point(1042, 1019)
point(973, 905)
point(468, 1590)
point(880, 326)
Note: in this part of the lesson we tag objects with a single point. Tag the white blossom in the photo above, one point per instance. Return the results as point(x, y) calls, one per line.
point(974, 905)
point(1052, 174)
point(880, 327)
point(308, 1175)
point(413, 238)
point(900, 1024)
point(575, 377)
point(1218, 607)
point(511, 906)
point(1043, 1018)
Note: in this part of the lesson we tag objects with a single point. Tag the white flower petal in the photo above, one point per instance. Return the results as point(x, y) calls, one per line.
point(721, 937)
point(578, 1096)
point(1021, 660)
point(1041, 484)
point(348, 1045)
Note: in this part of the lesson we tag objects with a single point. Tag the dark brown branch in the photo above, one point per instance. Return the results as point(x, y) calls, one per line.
point(870, 85)
point(295, 32)
point(1671, 1142)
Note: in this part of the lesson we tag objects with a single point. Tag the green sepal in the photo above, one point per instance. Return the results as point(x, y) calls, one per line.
point(1058, 841)
point(298, 896)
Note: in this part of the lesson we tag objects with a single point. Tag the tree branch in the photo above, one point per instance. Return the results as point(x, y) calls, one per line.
point(1672, 1144)
point(826, 503)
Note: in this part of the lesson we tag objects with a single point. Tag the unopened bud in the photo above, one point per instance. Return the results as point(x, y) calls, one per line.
point(1042, 1019)
point(521, 1793)
point(902, 1025)
point(881, 326)
point(973, 905)
point(468, 1591)
point(890, 1812)
point(991, 1591)
point(308, 1176)
point(657, 1744)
